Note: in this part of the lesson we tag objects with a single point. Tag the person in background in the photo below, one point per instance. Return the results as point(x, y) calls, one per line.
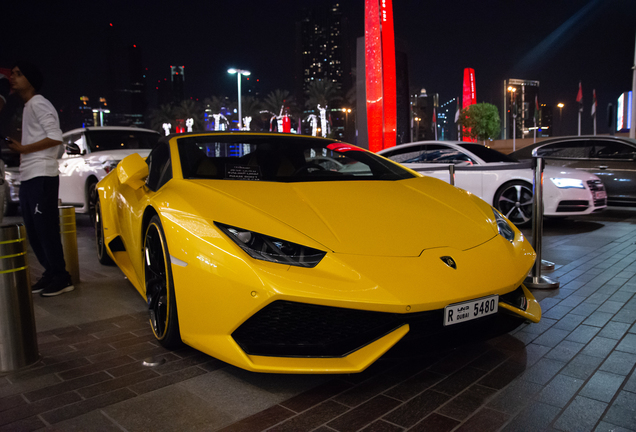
point(4, 94)
point(39, 177)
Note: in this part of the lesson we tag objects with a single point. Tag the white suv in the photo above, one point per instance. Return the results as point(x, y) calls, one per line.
point(91, 153)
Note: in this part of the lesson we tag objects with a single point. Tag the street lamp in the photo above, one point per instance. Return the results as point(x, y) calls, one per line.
point(560, 105)
point(513, 110)
point(346, 111)
point(238, 73)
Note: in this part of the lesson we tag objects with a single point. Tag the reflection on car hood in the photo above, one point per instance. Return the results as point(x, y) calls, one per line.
point(383, 218)
point(551, 171)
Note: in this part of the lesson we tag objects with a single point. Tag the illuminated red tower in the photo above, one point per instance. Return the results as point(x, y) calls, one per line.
point(379, 41)
point(469, 97)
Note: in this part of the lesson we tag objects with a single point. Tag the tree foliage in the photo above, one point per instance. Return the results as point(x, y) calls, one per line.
point(323, 93)
point(276, 100)
point(191, 109)
point(481, 121)
point(164, 114)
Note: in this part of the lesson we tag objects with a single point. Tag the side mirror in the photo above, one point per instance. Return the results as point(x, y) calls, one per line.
point(73, 149)
point(132, 171)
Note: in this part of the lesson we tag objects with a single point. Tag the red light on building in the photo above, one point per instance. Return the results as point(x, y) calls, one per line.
point(379, 43)
point(388, 64)
point(469, 95)
point(286, 124)
point(180, 126)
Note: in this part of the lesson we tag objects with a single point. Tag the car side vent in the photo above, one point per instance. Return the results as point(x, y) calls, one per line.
point(117, 245)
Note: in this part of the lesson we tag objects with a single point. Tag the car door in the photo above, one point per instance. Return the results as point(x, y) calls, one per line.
point(615, 164)
point(71, 164)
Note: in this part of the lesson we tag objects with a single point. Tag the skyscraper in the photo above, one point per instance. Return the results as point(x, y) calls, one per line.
point(323, 48)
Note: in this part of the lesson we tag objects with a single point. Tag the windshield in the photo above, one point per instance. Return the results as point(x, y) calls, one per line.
point(281, 158)
point(102, 140)
point(488, 154)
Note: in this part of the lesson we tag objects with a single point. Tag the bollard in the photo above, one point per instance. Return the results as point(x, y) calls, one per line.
point(451, 171)
point(536, 280)
point(68, 233)
point(18, 339)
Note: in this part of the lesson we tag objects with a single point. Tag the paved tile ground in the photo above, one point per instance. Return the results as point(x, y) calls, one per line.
point(574, 371)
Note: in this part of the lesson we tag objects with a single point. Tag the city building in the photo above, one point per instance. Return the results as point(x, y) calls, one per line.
point(177, 80)
point(519, 110)
point(323, 47)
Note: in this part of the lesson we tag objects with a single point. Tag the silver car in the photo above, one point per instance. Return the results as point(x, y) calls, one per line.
point(611, 158)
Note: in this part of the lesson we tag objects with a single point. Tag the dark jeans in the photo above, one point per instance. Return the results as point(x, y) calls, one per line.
point(38, 201)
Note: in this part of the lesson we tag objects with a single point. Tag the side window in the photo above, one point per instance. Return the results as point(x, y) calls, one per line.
point(445, 155)
point(613, 150)
point(159, 167)
point(408, 154)
point(569, 150)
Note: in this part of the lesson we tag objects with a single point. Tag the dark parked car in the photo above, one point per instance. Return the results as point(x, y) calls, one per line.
point(611, 158)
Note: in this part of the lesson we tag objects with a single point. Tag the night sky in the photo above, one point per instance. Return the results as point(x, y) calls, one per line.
point(557, 42)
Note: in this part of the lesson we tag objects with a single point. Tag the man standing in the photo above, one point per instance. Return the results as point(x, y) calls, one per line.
point(39, 177)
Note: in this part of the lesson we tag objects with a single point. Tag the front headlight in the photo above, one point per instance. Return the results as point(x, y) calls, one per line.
point(568, 183)
point(266, 248)
point(505, 230)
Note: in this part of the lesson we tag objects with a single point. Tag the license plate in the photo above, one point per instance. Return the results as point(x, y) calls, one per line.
point(600, 194)
point(470, 310)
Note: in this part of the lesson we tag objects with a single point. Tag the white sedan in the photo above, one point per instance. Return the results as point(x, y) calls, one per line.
point(501, 180)
point(91, 153)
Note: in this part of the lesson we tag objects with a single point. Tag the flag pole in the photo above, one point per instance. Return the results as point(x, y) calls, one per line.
point(594, 109)
point(632, 130)
point(579, 99)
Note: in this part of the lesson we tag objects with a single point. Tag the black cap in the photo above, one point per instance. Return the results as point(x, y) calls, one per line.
point(32, 73)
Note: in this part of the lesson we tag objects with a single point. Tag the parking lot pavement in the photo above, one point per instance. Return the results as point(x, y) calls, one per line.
point(573, 371)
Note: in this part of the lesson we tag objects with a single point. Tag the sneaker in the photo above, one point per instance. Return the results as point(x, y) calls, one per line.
point(59, 285)
point(41, 284)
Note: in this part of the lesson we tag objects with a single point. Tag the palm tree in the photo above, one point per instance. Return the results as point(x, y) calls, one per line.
point(190, 109)
point(323, 93)
point(277, 103)
point(165, 114)
point(250, 107)
point(278, 99)
point(214, 104)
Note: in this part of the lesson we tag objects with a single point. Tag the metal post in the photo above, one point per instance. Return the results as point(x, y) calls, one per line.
point(240, 118)
point(536, 280)
point(632, 130)
point(451, 170)
point(68, 234)
point(18, 338)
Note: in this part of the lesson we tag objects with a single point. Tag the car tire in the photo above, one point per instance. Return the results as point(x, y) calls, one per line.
point(514, 200)
point(162, 303)
point(102, 255)
point(91, 198)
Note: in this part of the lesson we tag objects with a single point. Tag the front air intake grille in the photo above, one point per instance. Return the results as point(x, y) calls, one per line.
point(571, 206)
point(290, 329)
point(286, 328)
point(597, 186)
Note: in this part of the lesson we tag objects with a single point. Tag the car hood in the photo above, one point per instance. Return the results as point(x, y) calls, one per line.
point(381, 218)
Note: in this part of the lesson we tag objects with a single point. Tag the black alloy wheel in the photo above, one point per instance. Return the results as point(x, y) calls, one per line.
point(102, 255)
point(514, 201)
point(162, 304)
